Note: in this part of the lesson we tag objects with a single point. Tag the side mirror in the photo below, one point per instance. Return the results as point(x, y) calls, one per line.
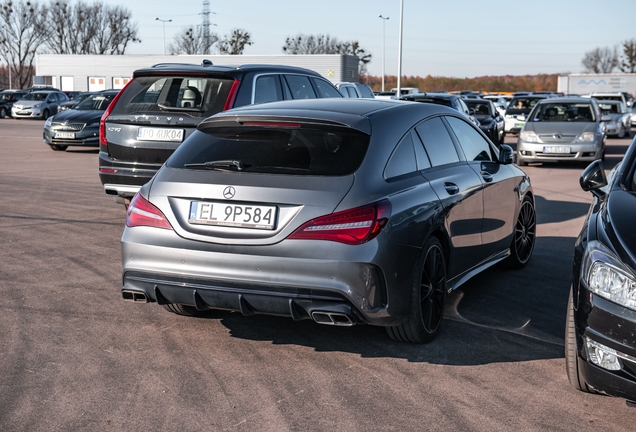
point(506, 155)
point(606, 118)
point(593, 178)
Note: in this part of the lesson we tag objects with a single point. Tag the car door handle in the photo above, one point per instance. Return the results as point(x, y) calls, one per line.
point(486, 176)
point(451, 188)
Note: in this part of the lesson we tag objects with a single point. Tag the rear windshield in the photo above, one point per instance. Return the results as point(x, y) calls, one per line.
point(304, 150)
point(608, 108)
point(563, 112)
point(614, 98)
point(480, 108)
point(192, 96)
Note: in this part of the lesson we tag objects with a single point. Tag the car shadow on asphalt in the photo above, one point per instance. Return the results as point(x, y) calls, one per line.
point(560, 211)
point(500, 315)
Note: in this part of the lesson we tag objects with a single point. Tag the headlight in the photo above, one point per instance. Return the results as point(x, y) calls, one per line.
point(530, 137)
point(37, 106)
point(586, 137)
point(47, 123)
point(606, 276)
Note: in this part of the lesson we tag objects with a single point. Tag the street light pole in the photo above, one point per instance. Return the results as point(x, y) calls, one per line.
point(163, 23)
point(383, 22)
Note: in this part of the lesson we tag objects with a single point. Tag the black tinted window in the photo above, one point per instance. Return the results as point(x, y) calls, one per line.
point(267, 89)
point(325, 89)
point(402, 160)
point(475, 147)
point(301, 150)
point(194, 96)
point(300, 87)
point(437, 142)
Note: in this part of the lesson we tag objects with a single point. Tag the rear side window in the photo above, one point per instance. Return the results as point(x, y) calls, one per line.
point(402, 160)
point(437, 142)
point(193, 96)
point(326, 90)
point(475, 147)
point(267, 89)
point(365, 91)
point(300, 87)
point(304, 150)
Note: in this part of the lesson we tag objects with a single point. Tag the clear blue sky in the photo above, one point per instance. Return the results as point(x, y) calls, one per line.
point(458, 38)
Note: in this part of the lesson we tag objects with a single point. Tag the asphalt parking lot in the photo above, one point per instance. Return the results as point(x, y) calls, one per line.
point(75, 356)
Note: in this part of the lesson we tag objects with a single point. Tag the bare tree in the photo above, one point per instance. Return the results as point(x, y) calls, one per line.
point(236, 42)
point(22, 31)
point(628, 58)
point(601, 60)
point(191, 40)
point(325, 44)
point(84, 28)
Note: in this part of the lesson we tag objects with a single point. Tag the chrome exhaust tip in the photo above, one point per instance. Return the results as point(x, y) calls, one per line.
point(134, 296)
point(332, 318)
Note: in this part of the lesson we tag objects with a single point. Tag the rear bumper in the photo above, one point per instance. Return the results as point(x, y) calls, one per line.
point(124, 179)
point(291, 278)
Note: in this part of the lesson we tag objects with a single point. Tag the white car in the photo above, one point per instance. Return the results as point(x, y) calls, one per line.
point(621, 120)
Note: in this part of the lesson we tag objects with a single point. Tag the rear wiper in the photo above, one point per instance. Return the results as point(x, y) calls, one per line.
point(220, 164)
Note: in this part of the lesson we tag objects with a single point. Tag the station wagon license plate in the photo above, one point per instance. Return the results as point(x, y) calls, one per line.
point(556, 149)
point(159, 134)
point(67, 135)
point(519, 125)
point(232, 215)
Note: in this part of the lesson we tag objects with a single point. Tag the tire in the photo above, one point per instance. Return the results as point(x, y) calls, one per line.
point(524, 235)
point(428, 297)
point(56, 147)
point(621, 133)
point(3, 112)
point(184, 310)
point(45, 114)
point(571, 351)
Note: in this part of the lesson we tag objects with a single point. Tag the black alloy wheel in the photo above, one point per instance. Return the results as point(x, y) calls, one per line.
point(428, 297)
point(524, 235)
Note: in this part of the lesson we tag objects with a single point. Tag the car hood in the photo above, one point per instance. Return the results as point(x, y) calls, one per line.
point(75, 116)
point(618, 225)
point(27, 103)
point(564, 128)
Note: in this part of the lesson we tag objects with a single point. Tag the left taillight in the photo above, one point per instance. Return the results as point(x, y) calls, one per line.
point(102, 122)
point(354, 226)
point(142, 213)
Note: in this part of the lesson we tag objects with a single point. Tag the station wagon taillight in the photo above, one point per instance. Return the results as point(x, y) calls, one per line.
point(102, 122)
point(142, 213)
point(229, 102)
point(354, 226)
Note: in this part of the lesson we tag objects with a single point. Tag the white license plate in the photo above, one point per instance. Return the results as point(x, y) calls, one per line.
point(556, 149)
point(519, 125)
point(67, 135)
point(159, 134)
point(232, 215)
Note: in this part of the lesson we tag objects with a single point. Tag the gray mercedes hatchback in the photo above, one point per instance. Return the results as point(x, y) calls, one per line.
point(343, 211)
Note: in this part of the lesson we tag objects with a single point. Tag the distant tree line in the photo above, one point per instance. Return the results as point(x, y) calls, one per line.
point(608, 59)
point(506, 83)
point(60, 27)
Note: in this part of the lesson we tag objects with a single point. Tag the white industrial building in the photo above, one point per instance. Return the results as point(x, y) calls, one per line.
point(70, 72)
point(590, 83)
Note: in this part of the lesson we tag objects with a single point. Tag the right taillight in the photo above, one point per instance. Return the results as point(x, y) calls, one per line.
point(229, 102)
point(142, 213)
point(102, 122)
point(354, 226)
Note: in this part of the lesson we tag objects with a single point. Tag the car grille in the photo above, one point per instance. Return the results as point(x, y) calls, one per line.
point(557, 138)
point(71, 127)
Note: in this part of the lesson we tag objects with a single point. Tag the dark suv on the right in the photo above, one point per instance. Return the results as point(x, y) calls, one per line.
point(162, 105)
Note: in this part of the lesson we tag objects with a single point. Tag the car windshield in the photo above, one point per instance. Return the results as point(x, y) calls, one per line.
point(35, 96)
point(614, 98)
point(481, 108)
point(98, 102)
point(523, 104)
point(610, 108)
point(563, 112)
